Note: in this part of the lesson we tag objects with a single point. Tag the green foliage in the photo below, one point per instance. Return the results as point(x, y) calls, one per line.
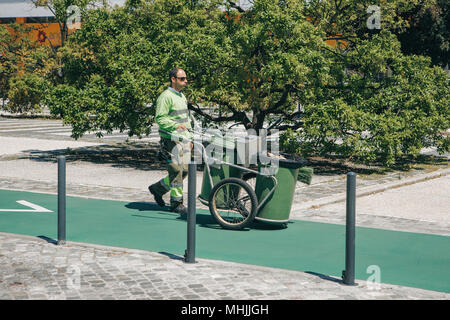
point(108, 76)
point(388, 107)
point(256, 61)
point(25, 93)
point(428, 32)
point(363, 99)
point(24, 70)
point(28, 69)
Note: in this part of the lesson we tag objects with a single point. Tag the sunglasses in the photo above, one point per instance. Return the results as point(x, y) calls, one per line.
point(181, 78)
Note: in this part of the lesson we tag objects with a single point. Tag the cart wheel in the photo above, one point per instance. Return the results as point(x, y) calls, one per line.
point(233, 203)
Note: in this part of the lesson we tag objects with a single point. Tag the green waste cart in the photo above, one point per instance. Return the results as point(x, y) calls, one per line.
point(232, 200)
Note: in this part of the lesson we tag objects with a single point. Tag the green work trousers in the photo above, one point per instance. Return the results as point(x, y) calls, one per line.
point(177, 154)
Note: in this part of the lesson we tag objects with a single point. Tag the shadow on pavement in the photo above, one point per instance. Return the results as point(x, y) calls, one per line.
point(172, 256)
point(203, 219)
point(145, 206)
point(142, 156)
point(325, 277)
point(49, 240)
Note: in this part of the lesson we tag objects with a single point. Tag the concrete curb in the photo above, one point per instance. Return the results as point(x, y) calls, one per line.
point(369, 190)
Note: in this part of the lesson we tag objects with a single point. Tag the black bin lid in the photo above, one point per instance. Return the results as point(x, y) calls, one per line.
point(290, 161)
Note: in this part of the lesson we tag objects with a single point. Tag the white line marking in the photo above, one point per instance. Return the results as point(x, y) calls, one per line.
point(35, 207)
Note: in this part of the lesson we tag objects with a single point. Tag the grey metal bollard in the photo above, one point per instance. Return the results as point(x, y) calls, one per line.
point(61, 200)
point(348, 274)
point(191, 216)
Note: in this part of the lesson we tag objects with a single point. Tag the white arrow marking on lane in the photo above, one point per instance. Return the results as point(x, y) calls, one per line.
point(35, 207)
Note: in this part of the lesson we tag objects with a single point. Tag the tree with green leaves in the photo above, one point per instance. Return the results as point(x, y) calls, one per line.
point(28, 68)
point(110, 75)
point(24, 69)
point(267, 66)
point(428, 31)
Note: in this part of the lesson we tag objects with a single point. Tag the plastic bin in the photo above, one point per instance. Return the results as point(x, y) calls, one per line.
point(277, 208)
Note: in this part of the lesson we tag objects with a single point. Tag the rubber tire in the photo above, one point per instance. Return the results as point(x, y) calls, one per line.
point(253, 200)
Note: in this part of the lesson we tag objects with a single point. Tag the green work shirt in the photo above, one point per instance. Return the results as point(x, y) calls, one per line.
point(171, 111)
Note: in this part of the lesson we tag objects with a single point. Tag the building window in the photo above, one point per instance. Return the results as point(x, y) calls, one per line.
point(40, 19)
point(7, 20)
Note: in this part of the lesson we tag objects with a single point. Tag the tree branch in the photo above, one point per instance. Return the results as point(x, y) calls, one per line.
point(235, 6)
point(293, 127)
point(287, 89)
point(199, 111)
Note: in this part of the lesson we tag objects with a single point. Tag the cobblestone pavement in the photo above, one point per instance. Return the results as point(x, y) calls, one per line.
point(33, 268)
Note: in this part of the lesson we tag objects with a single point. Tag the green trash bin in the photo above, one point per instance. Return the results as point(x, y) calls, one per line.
point(219, 172)
point(277, 208)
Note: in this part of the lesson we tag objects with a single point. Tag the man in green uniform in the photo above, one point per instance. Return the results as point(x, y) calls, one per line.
point(173, 120)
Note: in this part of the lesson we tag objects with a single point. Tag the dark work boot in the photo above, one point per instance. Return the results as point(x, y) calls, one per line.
point(178, 208)
point(158, 198)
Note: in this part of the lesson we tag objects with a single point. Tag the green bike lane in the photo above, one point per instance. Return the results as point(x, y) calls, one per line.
point(402, 258)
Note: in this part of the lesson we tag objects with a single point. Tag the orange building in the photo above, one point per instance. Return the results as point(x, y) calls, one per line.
point(45, 29)
point(41, 20)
